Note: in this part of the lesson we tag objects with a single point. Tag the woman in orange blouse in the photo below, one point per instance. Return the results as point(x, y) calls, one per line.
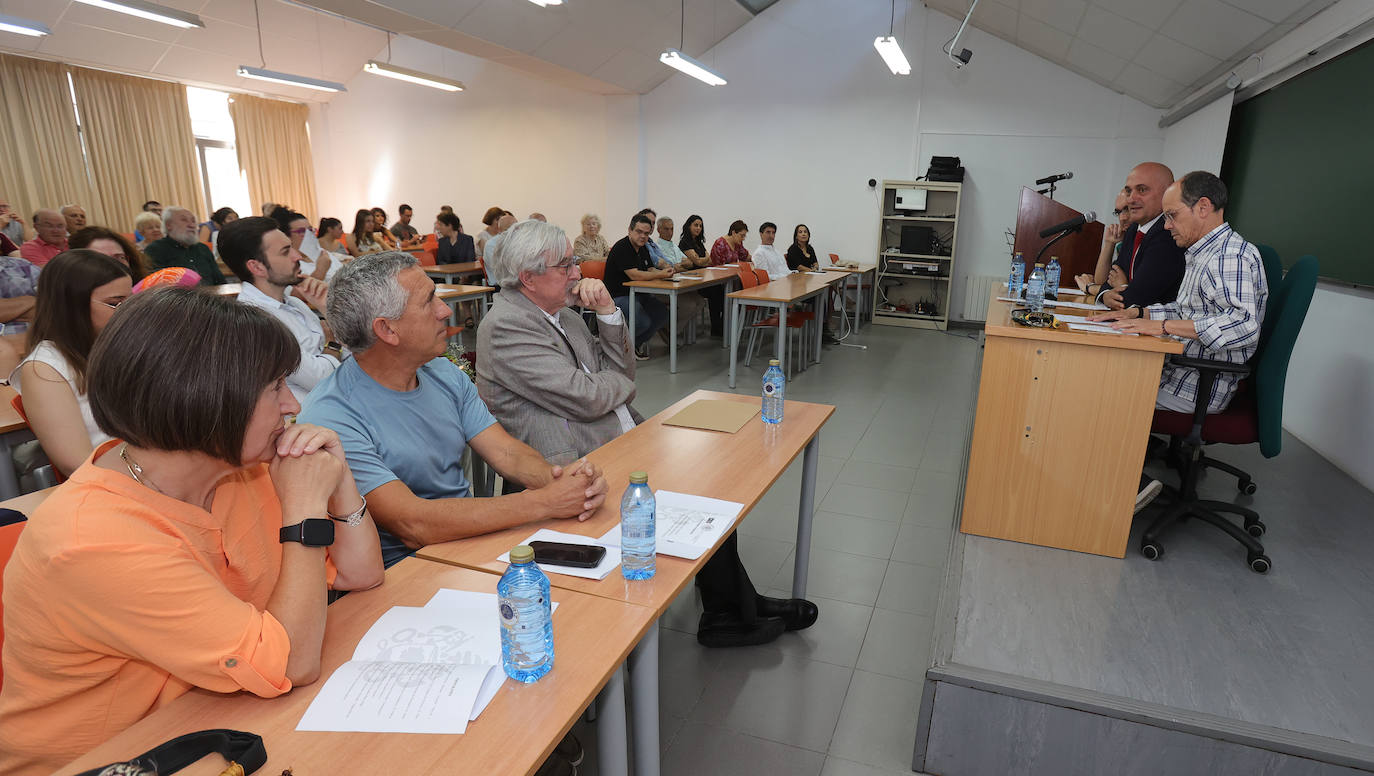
point(193, 550)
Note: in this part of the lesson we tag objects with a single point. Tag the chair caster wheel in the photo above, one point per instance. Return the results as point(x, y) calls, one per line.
point(1259, 563)
point(1255, 529)
point(1152, 550)
point(1247, 487)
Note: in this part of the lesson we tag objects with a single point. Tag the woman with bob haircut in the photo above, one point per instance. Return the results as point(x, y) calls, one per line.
point(112, 244)
point(190, 551)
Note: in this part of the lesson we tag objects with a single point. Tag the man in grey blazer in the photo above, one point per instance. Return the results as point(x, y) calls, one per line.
point(564, 392)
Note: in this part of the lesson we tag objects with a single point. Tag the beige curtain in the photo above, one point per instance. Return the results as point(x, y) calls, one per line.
point(40, 150)
point(139, 144)
point(274, 150)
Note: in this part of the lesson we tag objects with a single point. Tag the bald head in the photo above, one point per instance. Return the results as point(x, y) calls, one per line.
point(505, 222)
point(50, 226)
point(1145, 191)
point(75, 216)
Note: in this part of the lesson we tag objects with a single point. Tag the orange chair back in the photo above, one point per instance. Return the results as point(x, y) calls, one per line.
point(834, 258)
point(431, 243)
point(129, 236)
point(9, 536)
point(17, 402)
point(593, 269)
point(747, 278)
point(761, 275)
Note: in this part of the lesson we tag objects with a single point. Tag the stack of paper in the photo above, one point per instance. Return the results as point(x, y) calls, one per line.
point(1058, 303)
point(685, 526)
point(418, 669)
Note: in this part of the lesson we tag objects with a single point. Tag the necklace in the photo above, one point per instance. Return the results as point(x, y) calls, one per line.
point(135, 470)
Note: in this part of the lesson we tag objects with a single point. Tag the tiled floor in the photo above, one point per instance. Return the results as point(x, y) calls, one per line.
point(840, 698)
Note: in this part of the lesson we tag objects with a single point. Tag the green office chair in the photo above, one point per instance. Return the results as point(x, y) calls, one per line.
point(1255, 414)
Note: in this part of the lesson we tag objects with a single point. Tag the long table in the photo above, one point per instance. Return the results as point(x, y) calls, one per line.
point(735, 467)
point(709, 277)
point(779, 295)
point(454, 273)
point(454, 295)
point(514, 735)
point(1060, 433)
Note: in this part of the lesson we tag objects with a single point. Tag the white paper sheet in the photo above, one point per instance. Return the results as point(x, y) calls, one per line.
point(1097, 328)
point(1063, 318)
point(686, 526)
point(1063, 291)
point(369, 697)
point(599, 571)
point(687, 277)
point(809, 272)
point(1056, 303)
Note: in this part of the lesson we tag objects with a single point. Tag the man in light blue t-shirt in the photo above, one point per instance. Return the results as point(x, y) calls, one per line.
point(404, 414)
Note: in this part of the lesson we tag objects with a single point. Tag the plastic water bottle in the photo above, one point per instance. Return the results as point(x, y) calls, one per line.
point(1018, 274)
point(526, 618)
point(1035, 289)
point(1052, 273)
point(637, 529)
point(773, 384)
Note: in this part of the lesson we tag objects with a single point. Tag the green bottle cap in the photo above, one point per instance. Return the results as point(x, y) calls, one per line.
point(639, 478)
point(774, 362)
point(522, 554)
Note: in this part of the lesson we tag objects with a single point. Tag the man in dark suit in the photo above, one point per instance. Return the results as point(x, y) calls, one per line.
point(1149, 265)
point(565, 392)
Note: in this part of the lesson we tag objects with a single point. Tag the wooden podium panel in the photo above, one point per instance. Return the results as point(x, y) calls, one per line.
point(1077, 253)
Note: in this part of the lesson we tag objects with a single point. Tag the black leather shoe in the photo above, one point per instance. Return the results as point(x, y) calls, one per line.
point(798, 613)
point(728, 630)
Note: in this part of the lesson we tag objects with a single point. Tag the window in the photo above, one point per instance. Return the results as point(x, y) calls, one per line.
point(224, 184)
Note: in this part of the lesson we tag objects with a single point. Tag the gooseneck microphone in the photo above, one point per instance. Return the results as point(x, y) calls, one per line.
point(1072, 224)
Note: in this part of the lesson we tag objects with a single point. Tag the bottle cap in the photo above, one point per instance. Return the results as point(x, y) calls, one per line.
point(1039, 264)
point(639, 478)
point(522, 554)
point(774, 362)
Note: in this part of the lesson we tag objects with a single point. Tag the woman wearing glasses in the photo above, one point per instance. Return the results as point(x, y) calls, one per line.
point(78, 296)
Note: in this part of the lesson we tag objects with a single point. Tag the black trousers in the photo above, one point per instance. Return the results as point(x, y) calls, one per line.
point(715, 299)
point(725, 585)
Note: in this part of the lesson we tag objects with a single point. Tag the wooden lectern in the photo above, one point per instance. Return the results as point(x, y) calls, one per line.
point(1077, 253)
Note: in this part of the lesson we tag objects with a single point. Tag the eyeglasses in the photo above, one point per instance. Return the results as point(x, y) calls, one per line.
point(302, 230)
point(1118, 211)
point(113, 305)
point(1171, 216)
point(565, 266)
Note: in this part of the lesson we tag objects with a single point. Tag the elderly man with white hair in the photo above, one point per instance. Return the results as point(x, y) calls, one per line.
point(565, 392)
point(180, 247)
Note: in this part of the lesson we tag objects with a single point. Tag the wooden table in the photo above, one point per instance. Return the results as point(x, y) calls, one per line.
point(28, 502)
point(709, 276)
point(514, 735)
point(1060, 433)
point(454, 273)
point(227, 289)
point(737, 467)
point(13, 430)
point(454, 295)
point(779, 295)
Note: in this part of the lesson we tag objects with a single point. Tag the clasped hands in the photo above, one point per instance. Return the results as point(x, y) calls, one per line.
point(580, 488)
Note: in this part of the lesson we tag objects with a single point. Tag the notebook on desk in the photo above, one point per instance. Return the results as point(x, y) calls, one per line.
point(715, 415)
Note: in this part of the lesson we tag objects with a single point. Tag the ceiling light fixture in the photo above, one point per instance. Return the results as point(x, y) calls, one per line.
point(22, 26)
point(546, 3)
point(149, 11)
point(413, 76)
point(679, 61)
point(262, 74)
point(890, 50)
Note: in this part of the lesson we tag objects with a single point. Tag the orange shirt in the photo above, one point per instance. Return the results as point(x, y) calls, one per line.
point(119, 599)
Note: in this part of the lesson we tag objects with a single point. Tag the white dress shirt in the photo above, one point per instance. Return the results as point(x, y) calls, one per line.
point(304, 325)
point(767, 258)
point(622, 412)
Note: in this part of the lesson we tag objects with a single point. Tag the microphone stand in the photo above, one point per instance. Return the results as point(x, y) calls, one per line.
point(1051, 293)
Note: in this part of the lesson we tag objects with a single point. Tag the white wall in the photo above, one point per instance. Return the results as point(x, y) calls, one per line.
point(511, 140)
point(1198, 141)
point(811, 113)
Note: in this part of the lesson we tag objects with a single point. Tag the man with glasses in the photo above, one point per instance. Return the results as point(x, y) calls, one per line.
point(11, 225)
point(267, 262)
point(1148, 264)
point(628, 260)
point(1111, 245)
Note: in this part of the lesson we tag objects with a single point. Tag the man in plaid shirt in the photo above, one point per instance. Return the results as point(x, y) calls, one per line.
point(1220, 302)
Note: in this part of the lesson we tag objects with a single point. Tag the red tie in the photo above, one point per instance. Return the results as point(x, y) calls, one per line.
point(1135, 251)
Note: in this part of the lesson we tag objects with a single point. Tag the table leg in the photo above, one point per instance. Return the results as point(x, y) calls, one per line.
point(820, 321)
point(612, 740)
point(732, 336)
point(782, 338)
point(810, 456)
point(672, 331)
point(631, 316)
point(9, 483)
point(644, 703)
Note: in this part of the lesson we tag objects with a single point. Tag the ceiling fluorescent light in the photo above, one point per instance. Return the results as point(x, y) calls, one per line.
point(680, 61)
point(546, 3)
point(273, 76)
point(150, 11)
point(413, 76)
point(892, 55)
point(23, 26)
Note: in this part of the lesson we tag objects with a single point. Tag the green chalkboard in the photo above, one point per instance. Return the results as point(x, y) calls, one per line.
point(1299, 162)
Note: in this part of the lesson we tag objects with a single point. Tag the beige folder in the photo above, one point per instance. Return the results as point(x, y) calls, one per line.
point(715, 415)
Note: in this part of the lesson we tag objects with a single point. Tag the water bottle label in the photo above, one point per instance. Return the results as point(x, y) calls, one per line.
point(769, 389)
point(508, 616)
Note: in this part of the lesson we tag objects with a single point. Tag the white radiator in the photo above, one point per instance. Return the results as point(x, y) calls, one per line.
point(977, 294)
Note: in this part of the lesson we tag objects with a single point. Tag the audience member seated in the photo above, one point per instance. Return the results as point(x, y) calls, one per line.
point(314, 261)
point(154, 207)
point(668, 249)
point(656, 253)
point(11, 225)
point(590, 245)
point(209, 230)
point(454, 246)
point(1149, 265)
point(361, 241)
point(489, 220)
point(1111, 244)
point(405, 234)
point(629, 260)
point(730, 248)
point(536, 216)
point(75, 216)
point(446, 208)
point(692, 243)
point(191, 551)
point(147, 230)
point(381, 233)
point(112, 244)
point(1220, 304)
point(266, 260)
point(567, 404)
point(801, 256)
point(50, 240)
point(330, 236)
point(8, 248)
point(18, 286)
point(180, 248)
point(398, 388)
point(767, 257)
point(268, 208)
point(80, 292)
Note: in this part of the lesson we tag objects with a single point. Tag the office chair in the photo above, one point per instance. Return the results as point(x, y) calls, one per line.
point(1255, 414)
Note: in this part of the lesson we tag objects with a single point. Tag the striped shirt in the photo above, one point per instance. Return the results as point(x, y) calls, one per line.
point(1223, 293)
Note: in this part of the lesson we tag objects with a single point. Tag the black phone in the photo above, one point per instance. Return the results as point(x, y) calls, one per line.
point(582, 556)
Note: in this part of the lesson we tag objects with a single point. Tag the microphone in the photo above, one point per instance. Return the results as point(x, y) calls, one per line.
point(1073, 224)
point(1054, 179)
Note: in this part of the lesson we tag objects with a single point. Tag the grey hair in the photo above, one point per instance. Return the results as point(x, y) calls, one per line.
point(662, 220)
point(364, 290)
point(168, 212)
point(525, 247)
point(591, 217)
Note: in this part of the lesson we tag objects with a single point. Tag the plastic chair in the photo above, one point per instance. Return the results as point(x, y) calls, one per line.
point(9, 536)
point(795, 320)
point(46, 475)
point(593, 268)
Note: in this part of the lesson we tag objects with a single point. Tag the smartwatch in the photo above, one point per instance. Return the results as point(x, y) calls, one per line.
point(312, 532)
